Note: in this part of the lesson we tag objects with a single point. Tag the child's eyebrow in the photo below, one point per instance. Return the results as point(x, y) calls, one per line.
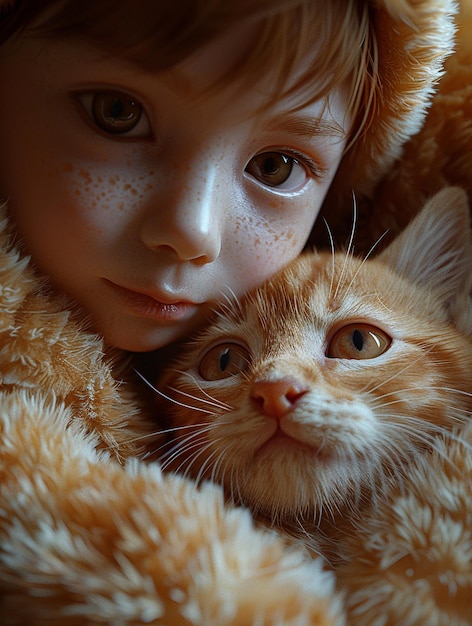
point(305, 126)
point(177, 82)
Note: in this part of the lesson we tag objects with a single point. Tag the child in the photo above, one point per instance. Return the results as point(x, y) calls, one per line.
point(147, 181)
point(157, 155)
point(154, 158)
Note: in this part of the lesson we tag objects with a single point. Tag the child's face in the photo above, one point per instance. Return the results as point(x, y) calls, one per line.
point(146, 196)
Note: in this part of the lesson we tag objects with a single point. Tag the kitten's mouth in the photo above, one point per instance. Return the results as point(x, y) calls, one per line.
point(280, 443)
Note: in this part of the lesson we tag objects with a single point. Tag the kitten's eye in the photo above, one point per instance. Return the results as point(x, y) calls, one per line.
point(223, 361)
point(277, 170)
point(116, 113)
point(358, 341)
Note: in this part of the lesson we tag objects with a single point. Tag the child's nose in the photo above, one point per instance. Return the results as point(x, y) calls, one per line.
point(188, 217)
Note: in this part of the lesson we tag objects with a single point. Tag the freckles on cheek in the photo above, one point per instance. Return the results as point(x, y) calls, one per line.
point(101, 193)
point(265, 246)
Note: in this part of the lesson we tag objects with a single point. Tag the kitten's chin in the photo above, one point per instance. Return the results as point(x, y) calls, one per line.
point(287, 479)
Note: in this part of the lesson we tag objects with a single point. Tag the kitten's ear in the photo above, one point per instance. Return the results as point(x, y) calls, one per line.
point(435, 250)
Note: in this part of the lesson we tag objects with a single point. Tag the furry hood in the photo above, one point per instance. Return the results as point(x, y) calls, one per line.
point(413, 38)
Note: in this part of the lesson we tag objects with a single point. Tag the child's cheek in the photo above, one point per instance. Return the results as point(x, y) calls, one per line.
point(262, 234)
point(264, 246)
point(100, 194)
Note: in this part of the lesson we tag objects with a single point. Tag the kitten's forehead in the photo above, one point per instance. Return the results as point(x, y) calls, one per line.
point(301, 279)
point(316, 282)
point(297, 300)
point(319, 290)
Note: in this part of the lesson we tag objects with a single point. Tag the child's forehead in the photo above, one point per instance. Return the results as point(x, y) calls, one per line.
point(172, 29)
point(159, 35)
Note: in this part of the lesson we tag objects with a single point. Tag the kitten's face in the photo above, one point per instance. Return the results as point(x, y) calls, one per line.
point(318, 385)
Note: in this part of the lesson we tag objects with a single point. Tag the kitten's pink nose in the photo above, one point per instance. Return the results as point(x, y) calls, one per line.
point(277, 398)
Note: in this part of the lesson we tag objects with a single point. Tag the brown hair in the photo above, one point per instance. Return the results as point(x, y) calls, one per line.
point(160, 34)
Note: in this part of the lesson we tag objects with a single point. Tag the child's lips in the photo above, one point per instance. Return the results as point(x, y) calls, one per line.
point(159, 307)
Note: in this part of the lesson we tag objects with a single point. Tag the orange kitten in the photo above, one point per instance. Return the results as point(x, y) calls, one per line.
point(325, 382)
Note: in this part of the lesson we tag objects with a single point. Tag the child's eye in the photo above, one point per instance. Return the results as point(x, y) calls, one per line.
point(358, 341)
point(223, 361)
point(116, 113)
point(278, 170)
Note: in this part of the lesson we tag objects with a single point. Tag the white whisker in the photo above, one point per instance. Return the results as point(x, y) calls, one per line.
point(333, 250)
point(350, 249)
point(363, 262)
point(211, 400)
point(208, 461)
point(181, 449)
point(169, 398)
point(396, 374)
point(229, 305)
point(195, 457)
point(164, 431)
